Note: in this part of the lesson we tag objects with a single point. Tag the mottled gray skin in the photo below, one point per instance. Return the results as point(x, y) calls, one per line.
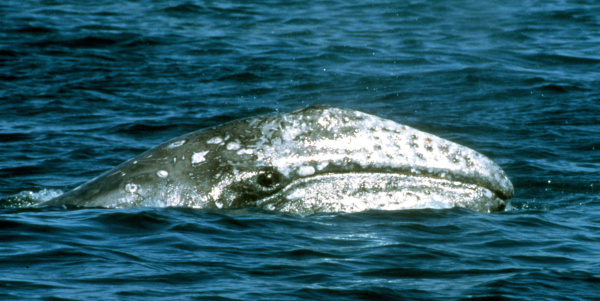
point(318, 159)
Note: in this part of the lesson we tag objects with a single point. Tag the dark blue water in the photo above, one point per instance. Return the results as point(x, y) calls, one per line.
point(84, 87)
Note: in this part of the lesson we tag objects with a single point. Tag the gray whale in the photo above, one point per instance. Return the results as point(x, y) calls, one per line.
point(318, 159)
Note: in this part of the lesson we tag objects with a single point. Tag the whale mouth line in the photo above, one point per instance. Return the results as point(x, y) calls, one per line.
point(398, 175)
point(450, 178)
point(358, 191)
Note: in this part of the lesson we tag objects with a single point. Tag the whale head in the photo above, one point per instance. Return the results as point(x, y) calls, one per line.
point(318, 159)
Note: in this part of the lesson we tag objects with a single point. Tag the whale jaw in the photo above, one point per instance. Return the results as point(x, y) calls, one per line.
point(355, 192)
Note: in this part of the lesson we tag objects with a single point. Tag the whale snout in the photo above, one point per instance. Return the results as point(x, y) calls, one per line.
point(367, 150)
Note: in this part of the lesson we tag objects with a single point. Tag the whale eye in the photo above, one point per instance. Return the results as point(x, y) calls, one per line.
point(260, 184)
point(268, 179)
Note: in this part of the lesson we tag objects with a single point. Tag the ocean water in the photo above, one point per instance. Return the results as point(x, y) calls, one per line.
point(86, 86)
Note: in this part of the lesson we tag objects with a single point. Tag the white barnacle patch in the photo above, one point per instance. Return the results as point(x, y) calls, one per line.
point(322, 165)
point(327, 121)
point(215, 140)
point(215, 194)
point(177, 144)
point(233, 146)
point(245, 151)
point(199, 157)
point(162, 173)
point(305, 171)
point(131, 188)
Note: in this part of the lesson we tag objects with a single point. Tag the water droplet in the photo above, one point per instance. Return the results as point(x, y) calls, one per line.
point(162, 173)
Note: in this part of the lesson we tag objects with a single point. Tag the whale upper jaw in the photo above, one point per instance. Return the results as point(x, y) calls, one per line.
point(347, 160)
